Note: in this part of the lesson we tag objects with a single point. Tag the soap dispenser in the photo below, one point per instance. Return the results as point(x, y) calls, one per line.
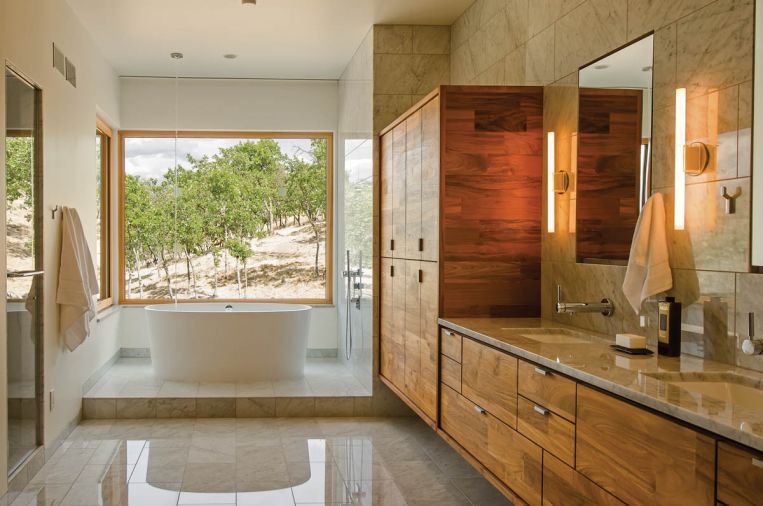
point(669, 329)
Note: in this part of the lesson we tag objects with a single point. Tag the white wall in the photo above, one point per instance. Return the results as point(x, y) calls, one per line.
point(232, 104)
point(27, 31)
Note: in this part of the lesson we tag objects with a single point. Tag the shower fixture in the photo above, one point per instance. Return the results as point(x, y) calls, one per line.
point(354, 294)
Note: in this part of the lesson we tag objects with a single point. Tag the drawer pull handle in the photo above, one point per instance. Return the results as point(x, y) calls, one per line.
point(480, 410)
point(540, 410)
point(540, 371)
point(757, 462)
point(450, 333)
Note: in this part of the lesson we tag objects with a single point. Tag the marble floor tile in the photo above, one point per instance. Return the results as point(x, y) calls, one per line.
point(251, 462)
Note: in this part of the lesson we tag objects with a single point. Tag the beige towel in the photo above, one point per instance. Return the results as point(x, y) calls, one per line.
point(648, 264)
point(77, 282)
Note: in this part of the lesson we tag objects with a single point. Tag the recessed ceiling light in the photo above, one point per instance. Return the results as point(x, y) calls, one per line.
point(176, 56)
point(230, 56)
point(248, 2)
point(648, 68)
point(601, 67)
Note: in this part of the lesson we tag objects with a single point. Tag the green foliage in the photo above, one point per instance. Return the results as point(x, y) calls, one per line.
point(222, 203)
point(18, 163)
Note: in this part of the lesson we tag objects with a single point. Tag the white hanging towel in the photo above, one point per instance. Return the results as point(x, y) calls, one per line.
point(77, 282)
point(648, 264)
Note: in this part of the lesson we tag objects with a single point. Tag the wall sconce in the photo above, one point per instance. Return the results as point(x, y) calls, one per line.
point(698, 157)
point(561, 182)
point(679, 169)
point(550, 196)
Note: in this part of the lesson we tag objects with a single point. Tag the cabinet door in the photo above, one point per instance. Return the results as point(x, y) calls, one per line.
point(430, 180)
point(386, 195)
point(398, 190)
point(412, 319)
point(391, 342)
point(740, 476)
point(413, 185)
point(428, 348)
point(563, 486)
point(489, 379)
point(640, 457)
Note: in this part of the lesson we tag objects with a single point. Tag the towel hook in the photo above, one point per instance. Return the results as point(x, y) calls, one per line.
point(53, 212)
point(730, 199)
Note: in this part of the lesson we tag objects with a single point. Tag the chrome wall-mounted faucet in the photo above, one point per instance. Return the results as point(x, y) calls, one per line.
point(604, 307)
point(752, 346)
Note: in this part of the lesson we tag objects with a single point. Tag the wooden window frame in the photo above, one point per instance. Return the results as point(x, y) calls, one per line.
point(105, 300)
point(328, 299)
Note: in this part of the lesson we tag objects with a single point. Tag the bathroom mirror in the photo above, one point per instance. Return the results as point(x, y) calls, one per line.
point(613, 151)
point(757, 154)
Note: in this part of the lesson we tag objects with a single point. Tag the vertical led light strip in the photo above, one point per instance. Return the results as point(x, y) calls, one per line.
point(551, 215)
point(680, 175)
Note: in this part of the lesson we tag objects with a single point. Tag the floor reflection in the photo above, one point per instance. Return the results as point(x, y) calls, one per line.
point(251, 462)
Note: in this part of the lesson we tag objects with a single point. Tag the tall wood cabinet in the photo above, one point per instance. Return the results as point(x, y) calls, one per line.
point(461, 177)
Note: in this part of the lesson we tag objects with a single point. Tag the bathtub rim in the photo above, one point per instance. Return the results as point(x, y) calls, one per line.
point(201, 307)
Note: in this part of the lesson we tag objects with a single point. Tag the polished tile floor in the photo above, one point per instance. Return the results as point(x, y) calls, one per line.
point(273, 462)
point(134, 377)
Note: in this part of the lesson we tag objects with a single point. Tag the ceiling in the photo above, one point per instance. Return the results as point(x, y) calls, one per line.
point(290, 39)
point(630, 67)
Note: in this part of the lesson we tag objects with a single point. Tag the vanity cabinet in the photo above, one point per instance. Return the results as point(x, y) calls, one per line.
point(564, 486)
point(461, 194)
point(489, 379)
point(740, 476)
point(641, 457)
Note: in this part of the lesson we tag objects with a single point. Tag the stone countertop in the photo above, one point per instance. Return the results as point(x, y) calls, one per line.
point(640, 379)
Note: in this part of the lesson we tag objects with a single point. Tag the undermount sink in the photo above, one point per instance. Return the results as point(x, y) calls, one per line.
point(726, 387)
point(552, 335)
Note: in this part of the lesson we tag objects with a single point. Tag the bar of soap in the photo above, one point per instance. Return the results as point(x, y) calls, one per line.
point(632, 341)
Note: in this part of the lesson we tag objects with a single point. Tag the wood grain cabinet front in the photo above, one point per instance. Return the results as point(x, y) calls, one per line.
point(512, 458)
point(547, 388)
point(549, 430)
point(563, 486)
point(641, 457)
point(740, 476)
point(489, 379)
point(450, 344)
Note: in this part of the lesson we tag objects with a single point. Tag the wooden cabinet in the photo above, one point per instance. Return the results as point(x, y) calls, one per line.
point(489, 379)
point(640, 457)
point(547, 388)
point(740, 476)
point(547, 429)
point(461, 177)
point(563, 486)
point(511, 457)
point(450, 344)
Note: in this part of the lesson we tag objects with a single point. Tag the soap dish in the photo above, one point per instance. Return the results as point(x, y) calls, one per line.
point(631, 351)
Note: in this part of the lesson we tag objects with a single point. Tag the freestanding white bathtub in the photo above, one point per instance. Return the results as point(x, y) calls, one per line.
point(228, 341)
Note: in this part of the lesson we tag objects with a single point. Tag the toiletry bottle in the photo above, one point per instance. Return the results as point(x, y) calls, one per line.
point(669, 330)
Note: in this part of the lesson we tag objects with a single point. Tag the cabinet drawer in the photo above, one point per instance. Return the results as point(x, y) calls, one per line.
point(511, 457)
point(548, 389)
point(450, 343)
point(639, 456)
point(450, 373)
point(547, 429)
point(740, 476)
point(489, 379)
point(563, 486)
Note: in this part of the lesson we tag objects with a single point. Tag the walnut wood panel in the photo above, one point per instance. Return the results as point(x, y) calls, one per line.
point(429, 334)
point(413, 203)
point(549, 430)
point(450, 344)
point(461, 420)
point(412, 339)
point(450, 373)
point(392, 317)
point(387, 203)
point(548, 389)
point(608, 172)
point(491, 158)
point(640, 457)
point(516, 460)
point(398, 190)
point(563, 486)
point(740, 476)
point(489, 379)
point(430, 180)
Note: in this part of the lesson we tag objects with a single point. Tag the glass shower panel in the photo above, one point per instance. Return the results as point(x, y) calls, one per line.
point(24, 266)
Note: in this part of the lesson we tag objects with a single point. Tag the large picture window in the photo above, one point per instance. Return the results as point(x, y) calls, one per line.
point(225, 216)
